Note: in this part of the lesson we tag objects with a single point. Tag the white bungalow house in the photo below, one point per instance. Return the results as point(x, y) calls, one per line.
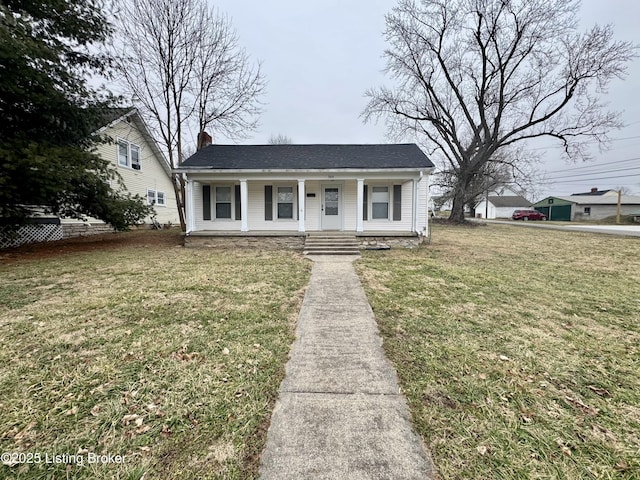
point(295, 190)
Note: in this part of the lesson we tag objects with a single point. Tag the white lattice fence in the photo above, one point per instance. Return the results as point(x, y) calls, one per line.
point(30, 234)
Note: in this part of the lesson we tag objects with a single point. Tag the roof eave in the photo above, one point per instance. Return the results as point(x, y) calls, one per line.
point(424, 170)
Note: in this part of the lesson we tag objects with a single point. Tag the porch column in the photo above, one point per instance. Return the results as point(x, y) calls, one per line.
point(301, 206)
point(244, 206)
point(359, 209)
point(414, 204)
point(190, 207)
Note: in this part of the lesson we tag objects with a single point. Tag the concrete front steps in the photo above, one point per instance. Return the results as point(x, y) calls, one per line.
point(331, 244)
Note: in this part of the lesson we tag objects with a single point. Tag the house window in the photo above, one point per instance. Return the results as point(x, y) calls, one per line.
point(155, 198)
point(285, 202)
point(587, 210)
point(128, 155)
point(123, 153)
point(135, 156)
point(379, 202)
point(223, 202)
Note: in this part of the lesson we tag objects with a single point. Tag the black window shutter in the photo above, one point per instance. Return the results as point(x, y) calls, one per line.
point(238, 204)
point(397, 202)
point(206, 202)
point(365, 201)
point(268, 202)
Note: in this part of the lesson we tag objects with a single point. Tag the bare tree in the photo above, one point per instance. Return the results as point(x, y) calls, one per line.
point(280, 139)
point(623, 190)
point(478, 76)
point(181, 64)
point(507, 168)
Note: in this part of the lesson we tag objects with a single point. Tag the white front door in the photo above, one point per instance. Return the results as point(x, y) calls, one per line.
point(331, 208)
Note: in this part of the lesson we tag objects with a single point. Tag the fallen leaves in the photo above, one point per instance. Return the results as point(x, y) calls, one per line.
point(564, 447)
point(586, 409)
point(603, 392)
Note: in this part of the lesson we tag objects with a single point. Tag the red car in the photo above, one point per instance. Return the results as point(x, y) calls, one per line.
point(528, 215)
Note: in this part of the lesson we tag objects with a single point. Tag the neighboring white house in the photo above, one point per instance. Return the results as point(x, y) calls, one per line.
point(501, 206)
point(142, 166)
point(144, 170)
point(285, 190)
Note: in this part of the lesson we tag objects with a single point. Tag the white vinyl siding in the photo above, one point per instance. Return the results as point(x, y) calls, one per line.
point(312, 206)
point(387, 224)
point(152, 175)
point(348, 189)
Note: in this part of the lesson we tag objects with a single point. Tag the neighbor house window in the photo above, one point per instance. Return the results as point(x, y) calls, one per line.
point(123, 153)
point(135, 156)
point(128, 155)
point(587, 210)
point(379, 202)
point(155, 198)
point(223, 202)
point(285, 202)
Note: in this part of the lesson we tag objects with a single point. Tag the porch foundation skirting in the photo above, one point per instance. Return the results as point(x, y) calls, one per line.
point(266, 241)
point(368, 242)
point(296, 240)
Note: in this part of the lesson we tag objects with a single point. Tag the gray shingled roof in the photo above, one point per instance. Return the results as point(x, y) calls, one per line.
point(509, 201)
point(303, 157)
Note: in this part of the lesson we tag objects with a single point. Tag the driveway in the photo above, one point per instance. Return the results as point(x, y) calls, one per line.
point(623, 230)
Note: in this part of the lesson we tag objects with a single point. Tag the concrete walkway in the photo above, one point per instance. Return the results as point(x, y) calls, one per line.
point(339, 414)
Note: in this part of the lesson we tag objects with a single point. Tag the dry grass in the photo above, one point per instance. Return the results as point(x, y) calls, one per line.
point(171, 357)
point(518, 349)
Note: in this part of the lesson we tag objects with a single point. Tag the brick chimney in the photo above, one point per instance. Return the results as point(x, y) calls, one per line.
point(204, 140)
point(594, 191)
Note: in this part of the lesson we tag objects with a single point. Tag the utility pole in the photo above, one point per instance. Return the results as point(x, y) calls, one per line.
point(619, 206)
point(486, 206)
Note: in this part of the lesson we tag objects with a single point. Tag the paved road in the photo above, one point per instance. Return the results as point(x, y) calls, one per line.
point(624, 230)
point(340, 413)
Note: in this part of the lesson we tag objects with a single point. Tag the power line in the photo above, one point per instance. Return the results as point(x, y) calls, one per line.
point(595, 173)
point(614, 162)
point(599, 178)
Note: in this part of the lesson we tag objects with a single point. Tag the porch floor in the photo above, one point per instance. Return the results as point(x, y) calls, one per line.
point(295, 233)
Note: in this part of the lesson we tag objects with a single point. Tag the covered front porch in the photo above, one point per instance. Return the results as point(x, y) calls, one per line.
point(379, 204)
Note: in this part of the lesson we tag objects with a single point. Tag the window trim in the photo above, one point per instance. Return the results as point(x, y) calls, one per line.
point(155, 198)
point(388, 202)
point(277, 203)
point(129, 158)
point(214, 203)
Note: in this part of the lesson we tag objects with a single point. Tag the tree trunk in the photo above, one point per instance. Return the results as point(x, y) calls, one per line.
point(180, 200)
point(457, 210)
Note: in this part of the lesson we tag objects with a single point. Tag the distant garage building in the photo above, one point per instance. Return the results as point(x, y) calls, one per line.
point(578, 207)
point(501, 206)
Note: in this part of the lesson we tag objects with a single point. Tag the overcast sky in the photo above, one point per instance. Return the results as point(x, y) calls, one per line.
point(319, 57)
